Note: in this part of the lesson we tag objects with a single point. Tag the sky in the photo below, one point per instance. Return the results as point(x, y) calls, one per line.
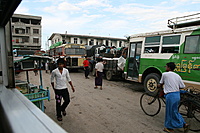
point(107, 18)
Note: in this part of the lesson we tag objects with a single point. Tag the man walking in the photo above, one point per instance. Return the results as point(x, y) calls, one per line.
point(172, 83)
point(99, 73)
point(61, 76)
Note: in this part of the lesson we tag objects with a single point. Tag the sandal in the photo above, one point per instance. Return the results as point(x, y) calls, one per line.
point(59, 118)
point(167, 130)
point(64, 113)
point(186, 128)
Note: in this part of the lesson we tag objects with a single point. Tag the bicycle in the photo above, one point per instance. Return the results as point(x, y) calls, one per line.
point(151, 104)
point(189, 106)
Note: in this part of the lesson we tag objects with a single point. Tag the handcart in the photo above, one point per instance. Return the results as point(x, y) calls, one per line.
point(36, 94)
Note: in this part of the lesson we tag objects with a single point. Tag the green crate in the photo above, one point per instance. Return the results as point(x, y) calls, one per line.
point(37, 96)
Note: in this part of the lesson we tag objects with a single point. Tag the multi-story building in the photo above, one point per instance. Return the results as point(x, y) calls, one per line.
point(26, 32)
point(87, 40)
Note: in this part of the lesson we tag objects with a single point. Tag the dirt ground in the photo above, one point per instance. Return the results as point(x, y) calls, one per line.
point(115, 109)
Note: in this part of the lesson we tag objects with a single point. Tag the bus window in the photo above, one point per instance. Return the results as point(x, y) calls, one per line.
point(79, 51)
point(192, 44)
point(170, 44)
point(170, 49)
point(171, 40)
point(139, 47)
point(155, 40)
point(132, 50)
point(151, 49)
point(69, 51)
point(152, 44)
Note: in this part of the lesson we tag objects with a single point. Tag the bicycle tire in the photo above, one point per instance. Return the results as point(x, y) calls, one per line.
point(197, 115)
point(192, 118)
point(197, 111)
point(150, 105)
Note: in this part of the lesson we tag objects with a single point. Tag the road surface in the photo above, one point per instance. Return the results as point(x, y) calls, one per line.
point(115, 109)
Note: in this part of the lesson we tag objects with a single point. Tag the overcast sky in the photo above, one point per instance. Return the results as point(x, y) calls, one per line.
point(114, 18)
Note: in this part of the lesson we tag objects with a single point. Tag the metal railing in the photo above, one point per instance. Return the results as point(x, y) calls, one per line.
point(184, 21)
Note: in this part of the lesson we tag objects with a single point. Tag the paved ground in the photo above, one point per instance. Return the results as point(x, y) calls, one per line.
point(115, 109)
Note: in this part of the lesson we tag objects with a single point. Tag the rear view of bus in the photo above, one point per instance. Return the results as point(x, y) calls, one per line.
point(74, 55)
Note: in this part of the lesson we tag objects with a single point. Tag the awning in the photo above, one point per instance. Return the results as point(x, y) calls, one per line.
point(31, 57)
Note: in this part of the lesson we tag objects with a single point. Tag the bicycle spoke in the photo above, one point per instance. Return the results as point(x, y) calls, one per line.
point(194, 124)
point(197, 115)
point(183, 109)
point(193, 118)
point(150, 105)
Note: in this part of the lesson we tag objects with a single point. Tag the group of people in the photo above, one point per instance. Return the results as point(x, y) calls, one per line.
point(61, 76)
point(172, 84)
point(98, 71)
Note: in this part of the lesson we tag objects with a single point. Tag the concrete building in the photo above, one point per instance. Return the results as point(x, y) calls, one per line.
point(17, 113)
point(87, 40)
point(26, 32)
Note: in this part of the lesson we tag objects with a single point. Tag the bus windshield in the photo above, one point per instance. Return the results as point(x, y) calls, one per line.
point(74, 51)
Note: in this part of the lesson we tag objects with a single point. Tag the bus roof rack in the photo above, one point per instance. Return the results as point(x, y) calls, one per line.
point(184, 21)
point(165, 32)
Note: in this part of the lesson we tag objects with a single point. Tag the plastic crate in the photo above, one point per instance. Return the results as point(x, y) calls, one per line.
point(39, 96)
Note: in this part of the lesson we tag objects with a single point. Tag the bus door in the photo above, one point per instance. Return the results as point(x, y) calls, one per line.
point(134, 59)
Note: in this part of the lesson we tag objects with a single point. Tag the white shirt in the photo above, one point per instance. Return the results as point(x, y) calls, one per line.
point(172, 82)
point(61, 79)
point(99, 66)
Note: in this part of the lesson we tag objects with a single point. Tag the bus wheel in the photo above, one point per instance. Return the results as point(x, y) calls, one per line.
point(93, 72)
point(109, 75)
point(91, 67)
point(151, 82)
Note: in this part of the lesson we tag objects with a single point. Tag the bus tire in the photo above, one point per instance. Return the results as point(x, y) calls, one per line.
point(109, 75)
point(91, 67)
point(151, 82)
point(94, 71)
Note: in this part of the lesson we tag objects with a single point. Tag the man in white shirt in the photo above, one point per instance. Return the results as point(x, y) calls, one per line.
point(61, 76)
point(172, 83)
point(99, 74)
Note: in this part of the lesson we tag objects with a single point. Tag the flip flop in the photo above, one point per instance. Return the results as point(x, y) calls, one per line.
point(168, 130)
point(186, 128)
point(64, 113)
point(59, 118)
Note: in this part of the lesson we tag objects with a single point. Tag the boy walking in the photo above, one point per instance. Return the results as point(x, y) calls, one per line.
point(61, 76)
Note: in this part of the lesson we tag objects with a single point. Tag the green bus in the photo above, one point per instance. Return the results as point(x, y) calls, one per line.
point(149, 53)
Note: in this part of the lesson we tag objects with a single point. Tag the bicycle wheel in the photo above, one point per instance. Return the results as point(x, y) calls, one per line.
point(197, 115)
point(197, 111)
point(150, 105)
point(191, 117)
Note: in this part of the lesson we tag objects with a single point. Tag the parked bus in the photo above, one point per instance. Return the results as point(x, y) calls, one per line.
point(149, 53)
point(73, 54)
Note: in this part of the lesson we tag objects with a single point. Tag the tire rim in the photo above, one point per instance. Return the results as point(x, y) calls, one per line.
point(108, 75)
point(152, 85)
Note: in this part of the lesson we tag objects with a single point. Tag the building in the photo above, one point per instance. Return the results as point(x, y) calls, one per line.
point(17, 113)
point(26, 32)
point(87, 40)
